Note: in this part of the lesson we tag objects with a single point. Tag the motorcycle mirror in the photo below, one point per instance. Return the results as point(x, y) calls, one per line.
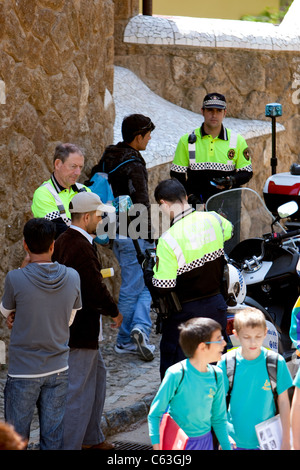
point(287, 209)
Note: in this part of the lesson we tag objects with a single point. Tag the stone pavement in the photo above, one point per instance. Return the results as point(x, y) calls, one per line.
point(131, 385)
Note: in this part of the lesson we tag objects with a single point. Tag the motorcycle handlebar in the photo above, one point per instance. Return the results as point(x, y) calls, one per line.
point(277, 237)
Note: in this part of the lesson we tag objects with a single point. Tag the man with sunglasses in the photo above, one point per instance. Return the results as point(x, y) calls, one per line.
point(127, 174)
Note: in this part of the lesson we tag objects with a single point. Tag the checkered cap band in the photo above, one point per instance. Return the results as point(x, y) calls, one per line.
point(211, 103)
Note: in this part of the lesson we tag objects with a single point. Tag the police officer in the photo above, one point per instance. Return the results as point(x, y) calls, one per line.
point(51, 200)
point(211, 158)
point(189, 264)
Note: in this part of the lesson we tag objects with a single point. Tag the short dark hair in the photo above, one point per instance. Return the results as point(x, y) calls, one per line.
point(136, 124)
point(39, 234)
point(196, 331)
point(62, 151)
point(170, 190)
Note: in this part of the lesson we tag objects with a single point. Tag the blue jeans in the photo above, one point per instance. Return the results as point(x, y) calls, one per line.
point(134, 298)
point(48, 393)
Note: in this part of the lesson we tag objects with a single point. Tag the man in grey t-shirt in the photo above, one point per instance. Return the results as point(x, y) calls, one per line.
point(42, 299)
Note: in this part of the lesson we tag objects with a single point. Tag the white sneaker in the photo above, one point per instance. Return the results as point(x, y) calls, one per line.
point(141, 341)
point(126, 348)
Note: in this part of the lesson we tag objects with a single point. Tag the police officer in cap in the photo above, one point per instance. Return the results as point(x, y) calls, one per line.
point(211, 158)
point(189, 268)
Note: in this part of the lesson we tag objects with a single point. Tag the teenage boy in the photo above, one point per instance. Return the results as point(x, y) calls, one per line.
point(251, 400)
point(127, 174)
point(193, 389)
point(40, 302)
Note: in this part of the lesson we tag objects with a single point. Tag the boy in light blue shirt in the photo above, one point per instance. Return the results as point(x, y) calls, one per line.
point(251, 400)
point(193, 390)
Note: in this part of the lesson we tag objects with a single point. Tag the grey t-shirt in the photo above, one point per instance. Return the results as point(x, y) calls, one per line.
point(43, 297)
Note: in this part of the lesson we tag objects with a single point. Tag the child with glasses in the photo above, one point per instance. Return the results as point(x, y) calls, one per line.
point(251, 399)
point(193, 389)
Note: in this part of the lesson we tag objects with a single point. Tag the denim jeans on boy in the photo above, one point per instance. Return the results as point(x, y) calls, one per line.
point(48, 393)
point(134, 298)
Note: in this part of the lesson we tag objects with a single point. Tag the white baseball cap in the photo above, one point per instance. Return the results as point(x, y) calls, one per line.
point(86, 201)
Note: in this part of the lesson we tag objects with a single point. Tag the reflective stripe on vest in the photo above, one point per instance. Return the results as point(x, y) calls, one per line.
point(192, 146)
point(60, 206)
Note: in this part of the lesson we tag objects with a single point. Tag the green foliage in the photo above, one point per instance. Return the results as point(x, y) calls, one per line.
point(269, 15)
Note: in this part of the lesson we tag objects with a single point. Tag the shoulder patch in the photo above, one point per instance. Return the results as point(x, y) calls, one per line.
point(246, 153)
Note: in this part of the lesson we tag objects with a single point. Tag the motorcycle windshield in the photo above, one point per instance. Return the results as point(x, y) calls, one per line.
point(246, 211)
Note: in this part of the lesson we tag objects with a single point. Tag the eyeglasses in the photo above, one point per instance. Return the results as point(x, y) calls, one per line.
point(215, 342)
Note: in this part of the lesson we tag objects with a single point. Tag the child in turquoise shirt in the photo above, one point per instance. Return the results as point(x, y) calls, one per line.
point(192, 391)
point(252, 399)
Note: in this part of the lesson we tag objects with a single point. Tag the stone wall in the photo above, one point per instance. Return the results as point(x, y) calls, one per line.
point(56, 65)
point(182, 59)
point(56, 82)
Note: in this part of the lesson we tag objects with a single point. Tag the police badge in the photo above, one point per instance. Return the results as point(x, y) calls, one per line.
point(231, 154)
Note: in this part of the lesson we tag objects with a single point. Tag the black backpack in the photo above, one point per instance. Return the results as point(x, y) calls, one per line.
point(271, 363)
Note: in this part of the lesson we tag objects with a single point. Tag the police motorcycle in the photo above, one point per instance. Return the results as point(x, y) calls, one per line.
point(263, 263)
point(284, 187)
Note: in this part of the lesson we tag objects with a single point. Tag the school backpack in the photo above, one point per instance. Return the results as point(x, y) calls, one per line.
point(271, 363)
point(100, 185)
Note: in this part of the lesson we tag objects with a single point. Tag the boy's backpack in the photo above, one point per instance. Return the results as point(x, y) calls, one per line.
point(99, 183)
point(181, 379)
point(271, 363)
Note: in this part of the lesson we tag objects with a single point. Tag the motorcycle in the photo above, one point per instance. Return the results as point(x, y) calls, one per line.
point(266, 259)
point(283, 187)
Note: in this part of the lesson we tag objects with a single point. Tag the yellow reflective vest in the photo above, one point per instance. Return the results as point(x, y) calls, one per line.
point(190, 255)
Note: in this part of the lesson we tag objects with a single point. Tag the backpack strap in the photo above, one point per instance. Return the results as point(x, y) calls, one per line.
point(215, 372)
point(230, 360)
point(180, 379)
point(272, 363)
point(121, 164)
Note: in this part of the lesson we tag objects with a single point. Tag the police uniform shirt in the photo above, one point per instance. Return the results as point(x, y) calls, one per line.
point(196, 164)
point(190, 255)
point(51, 201)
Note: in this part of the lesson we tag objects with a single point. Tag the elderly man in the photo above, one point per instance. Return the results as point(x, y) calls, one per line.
point(51, 200)
point(87, 372)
